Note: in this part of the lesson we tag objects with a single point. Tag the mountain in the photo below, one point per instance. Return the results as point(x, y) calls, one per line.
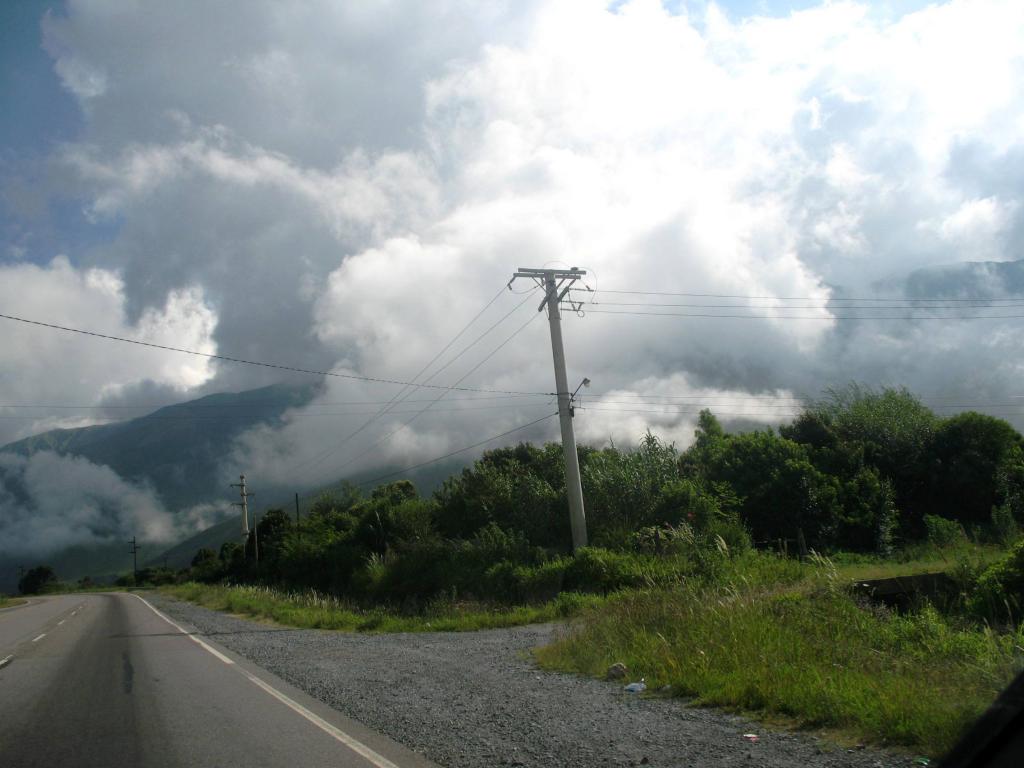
point(425, 479)
point(175, 450)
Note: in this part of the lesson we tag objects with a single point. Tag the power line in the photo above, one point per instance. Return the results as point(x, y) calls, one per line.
point(276, 366)
point(425, 408)
point(252, 404)
point(828, 318)
point(808, 298)
point(455, 453)
point(824, 306)
point(662, 412)
point(388, 406)
point(245, 417)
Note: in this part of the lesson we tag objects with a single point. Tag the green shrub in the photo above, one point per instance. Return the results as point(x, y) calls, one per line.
point(942, 532)
point(38, 580)
point(999, 593)
point(604, 571)
point(1004, 524)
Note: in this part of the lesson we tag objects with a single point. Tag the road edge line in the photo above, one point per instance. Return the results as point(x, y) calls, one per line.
point(189, 635)
point(354, 744)
point(331, 730)
point(6, 660)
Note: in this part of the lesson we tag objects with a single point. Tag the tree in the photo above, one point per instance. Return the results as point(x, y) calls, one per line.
point(37, 580)
point(975, 458)
point(709, 439)
point(625, 489)
point(867, 520)
point(781, 490)
point(889, 430)
point(206, 566)
point(519, 489)
point(203, 556)
point(271, 531)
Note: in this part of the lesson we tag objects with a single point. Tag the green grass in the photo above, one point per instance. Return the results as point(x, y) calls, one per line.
point(808, 653)
point(758, 633)
point(7, 602)
point(916, 560)
point(310, 610)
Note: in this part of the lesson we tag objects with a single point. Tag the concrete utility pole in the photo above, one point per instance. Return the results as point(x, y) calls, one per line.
point(135, 561)
point(556, 284)
point(244, 504)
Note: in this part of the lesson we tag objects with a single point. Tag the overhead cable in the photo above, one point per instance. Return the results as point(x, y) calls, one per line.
point(455, 453)
point(226, 358)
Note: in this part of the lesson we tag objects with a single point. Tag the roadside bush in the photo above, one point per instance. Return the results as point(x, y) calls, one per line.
point(868, 519)
point(627, 489)
point(999, 594)
point(942, 532)
point(1004, 525)
point(512, 583)
point(603, 571)
point(520, 489)
point(37, 580)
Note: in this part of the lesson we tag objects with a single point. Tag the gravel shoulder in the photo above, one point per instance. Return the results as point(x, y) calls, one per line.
point(476, 699)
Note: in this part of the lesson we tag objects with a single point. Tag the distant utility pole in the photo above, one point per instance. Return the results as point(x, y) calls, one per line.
point(244, 504)
point(556, 284)
point(298, 521)
point(135, 561)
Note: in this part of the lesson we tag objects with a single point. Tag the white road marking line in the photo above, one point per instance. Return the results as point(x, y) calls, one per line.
point(36, 640)
point(355, 745)
point(192, 637)
point(5, 661)
point(61, 622)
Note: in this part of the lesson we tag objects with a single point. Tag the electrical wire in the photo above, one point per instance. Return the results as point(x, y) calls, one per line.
point(823, 306)
point(251, 404)
point(456, 453)
point(828, 318)
point(806, 298)
point(226, 358)
point(334, 449)
point(247, 417)
point(425, 408)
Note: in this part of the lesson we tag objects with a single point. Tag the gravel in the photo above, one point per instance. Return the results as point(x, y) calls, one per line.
point(476, 699)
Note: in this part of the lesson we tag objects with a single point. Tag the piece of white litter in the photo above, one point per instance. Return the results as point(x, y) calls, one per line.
point(637, 687)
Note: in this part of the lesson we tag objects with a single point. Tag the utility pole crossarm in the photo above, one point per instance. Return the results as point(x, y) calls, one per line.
point(556, 284)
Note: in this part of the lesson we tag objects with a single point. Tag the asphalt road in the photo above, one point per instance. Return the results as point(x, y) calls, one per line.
point(107, 680)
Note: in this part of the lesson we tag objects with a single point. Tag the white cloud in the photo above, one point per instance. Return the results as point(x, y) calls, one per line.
point(48, 502)
point(40, 366)
point(348, 184)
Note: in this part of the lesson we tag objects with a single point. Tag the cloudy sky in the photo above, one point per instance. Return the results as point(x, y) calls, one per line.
point(799, 187)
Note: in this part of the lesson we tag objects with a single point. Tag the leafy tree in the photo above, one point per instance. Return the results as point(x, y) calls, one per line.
point(518, 489)
point(625, 489)
point(867, 520)
point(155, 576)
point(782, 491)
point(336, 506)
point(37, 580)
point(206, 566)
point(977, 463)
point(889, 430)
point(203, 556)
point(271, 531)
point(709, 439)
